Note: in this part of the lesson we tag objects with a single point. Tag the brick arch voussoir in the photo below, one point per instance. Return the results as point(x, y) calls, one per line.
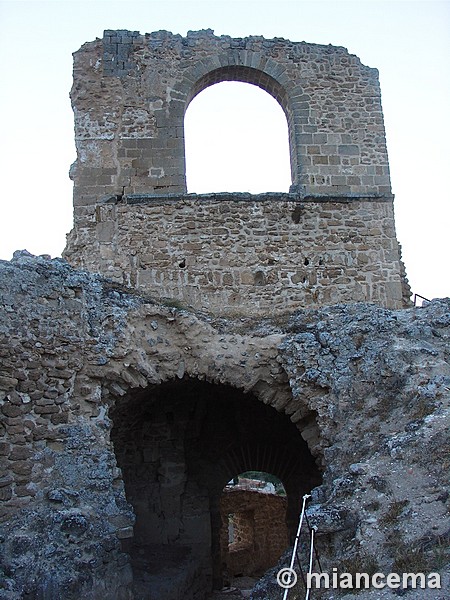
point(276, 461)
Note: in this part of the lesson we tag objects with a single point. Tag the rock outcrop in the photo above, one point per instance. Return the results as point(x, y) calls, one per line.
point(366, 387)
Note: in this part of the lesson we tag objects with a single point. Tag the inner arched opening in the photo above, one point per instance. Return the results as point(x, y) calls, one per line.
point(237, 140)
point(254, 532)
point(178, 445)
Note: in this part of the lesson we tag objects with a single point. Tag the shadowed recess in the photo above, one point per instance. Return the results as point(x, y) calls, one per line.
point(178, 444)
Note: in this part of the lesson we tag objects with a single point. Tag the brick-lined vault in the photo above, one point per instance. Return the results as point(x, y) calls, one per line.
point(177, 445)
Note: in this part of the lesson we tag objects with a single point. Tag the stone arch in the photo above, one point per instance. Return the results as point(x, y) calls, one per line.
point(265, 74)
point(176, 444)
point(132, 143)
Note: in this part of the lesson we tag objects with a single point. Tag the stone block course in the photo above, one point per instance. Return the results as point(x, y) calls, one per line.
point(205, 251)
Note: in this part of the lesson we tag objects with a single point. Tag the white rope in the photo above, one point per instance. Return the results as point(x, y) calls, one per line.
point(311, 557)
point(297, 537)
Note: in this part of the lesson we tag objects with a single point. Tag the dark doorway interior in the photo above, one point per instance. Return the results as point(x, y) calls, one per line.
point(178, 444)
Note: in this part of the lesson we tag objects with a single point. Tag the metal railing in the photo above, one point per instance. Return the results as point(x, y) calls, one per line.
point(289, 579)
point(424, 300)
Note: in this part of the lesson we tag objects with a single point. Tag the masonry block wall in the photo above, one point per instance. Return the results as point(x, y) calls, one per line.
point(331, 239)
point(259, 530)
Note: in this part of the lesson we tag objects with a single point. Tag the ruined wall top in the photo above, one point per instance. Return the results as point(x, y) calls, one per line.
point(330, 239)
point(131, 91)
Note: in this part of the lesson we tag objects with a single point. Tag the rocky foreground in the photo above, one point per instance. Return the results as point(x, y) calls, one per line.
point(376, 381)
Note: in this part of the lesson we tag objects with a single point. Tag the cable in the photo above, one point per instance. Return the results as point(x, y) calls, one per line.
point(311, 557)
point(297, 537)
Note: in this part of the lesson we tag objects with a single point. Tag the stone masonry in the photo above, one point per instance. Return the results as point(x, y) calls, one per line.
point(331, 239)
point(213, 335)
point(122, 420)
point(131, 91)
point(259, 533)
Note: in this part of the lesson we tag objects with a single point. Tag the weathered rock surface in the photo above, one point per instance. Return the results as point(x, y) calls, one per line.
point(367, 388)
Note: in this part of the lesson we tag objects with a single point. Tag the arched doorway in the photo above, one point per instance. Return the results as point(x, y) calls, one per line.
point(178, 444)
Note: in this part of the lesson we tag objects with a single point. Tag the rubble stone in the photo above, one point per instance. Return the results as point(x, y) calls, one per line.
point(364, 385)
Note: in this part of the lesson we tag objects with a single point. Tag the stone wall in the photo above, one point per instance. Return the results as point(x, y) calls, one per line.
point(233, 254)
point(72, 381)
point(355, 398)
point(331, 240)
point(259, 532)
point(131, 91)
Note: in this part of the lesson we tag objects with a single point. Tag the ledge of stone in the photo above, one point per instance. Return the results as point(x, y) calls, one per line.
point(245, 197)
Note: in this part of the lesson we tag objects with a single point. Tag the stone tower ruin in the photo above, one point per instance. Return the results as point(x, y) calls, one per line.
point(330, 239)
point(127, 407)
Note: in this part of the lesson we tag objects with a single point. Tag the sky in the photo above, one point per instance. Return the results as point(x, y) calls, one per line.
point(407, 41)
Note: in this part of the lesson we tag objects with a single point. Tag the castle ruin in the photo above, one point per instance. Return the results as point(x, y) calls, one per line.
point(331, 239)
point(185, 339)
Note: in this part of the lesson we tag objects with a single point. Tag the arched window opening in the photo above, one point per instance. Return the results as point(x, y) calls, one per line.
point(237, 140)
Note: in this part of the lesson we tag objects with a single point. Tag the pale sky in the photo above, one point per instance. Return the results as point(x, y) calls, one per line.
point(407, 41)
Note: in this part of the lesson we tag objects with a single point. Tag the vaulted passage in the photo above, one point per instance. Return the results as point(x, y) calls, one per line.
point(178, 444)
